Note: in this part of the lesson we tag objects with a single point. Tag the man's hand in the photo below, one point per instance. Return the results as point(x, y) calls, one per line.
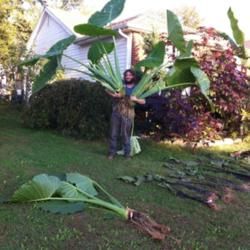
point(137, 100)
point(133, 98)
point(117, 95)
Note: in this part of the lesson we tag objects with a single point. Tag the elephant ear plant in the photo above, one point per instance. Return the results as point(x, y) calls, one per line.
point(184, 72)
point(72, 192)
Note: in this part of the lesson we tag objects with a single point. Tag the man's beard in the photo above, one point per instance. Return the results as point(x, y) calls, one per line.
point(129, 81)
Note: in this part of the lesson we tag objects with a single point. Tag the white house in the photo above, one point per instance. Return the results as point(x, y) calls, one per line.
point(55, 25)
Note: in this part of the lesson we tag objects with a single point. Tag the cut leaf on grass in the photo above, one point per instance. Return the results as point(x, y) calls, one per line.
point(78, 190)
point(61, 207)
point(82, 182)
point(40, 187)
point(127, 179)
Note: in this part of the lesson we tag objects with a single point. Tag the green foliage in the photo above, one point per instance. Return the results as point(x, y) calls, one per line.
point(46, 73)
point(175, 32)
point(237, 32)
point(61, 207)
point(180, 72)
point(58, 48)
point(15, 29)
point(104, 72)
point(155, 58)
point(49, 70)
point(74, 189)
point(186, 68)
point(176, 35)
point(188, 52)
point(110, 11)
point(82, 182)
point(98, 49)
point(77, 108)
point(55, 51)
point(202, 80)
point(93, 30)
point(39, 188)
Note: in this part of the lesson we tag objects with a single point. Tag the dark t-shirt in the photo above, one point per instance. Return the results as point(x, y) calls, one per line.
point(128, 90)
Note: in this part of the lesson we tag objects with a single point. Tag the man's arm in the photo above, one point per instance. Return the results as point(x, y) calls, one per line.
point(115, 95)
point(137, 100)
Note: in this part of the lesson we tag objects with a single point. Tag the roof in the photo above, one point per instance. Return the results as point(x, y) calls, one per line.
point(68, 19)
point(144, 22)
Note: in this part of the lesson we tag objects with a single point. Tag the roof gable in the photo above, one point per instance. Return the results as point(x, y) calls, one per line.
point(66, 20)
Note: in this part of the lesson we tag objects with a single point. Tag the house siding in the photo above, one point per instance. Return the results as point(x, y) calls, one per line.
point(80, 53)
point(51, 31)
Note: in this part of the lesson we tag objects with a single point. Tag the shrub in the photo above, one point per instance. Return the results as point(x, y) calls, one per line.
point(74, 107)
point(190, 116)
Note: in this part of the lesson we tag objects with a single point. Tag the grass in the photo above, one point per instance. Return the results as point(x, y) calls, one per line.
point(25, 153)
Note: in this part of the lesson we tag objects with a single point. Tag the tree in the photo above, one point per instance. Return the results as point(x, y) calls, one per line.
point(189, 16)
point(16, 21)
point(69, 5)
point(62, 4)
point(7, 31)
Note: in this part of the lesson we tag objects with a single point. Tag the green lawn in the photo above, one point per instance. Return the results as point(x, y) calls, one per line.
point(25, 153)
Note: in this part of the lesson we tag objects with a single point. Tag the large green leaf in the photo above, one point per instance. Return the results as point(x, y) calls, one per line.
point(70, 192)
point(160, 85)
point(55, 51)
point(181, 73)
point(61, 207)
point(46, 74)
point(93, 30)
point(31, 61)
point(82, 182)
point(175, 32)
point(188, 51)
point(229, 39)
point(202, 80)
point(98, 50)
point(203, 83)
point(237, 32)
point(155, 57)
point(58, 48)
point(40, 187)
point(110, 11)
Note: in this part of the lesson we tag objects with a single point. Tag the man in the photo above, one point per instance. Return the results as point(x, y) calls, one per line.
point(123, 115)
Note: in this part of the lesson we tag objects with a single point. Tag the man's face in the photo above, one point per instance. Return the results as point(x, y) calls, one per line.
point(129, 78)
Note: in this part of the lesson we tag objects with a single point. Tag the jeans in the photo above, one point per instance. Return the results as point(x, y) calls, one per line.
point(120, 126)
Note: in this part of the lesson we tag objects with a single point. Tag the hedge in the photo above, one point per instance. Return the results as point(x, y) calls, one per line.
point(74, 107)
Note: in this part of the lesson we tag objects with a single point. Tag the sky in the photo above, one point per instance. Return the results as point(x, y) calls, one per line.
point(213, 12)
